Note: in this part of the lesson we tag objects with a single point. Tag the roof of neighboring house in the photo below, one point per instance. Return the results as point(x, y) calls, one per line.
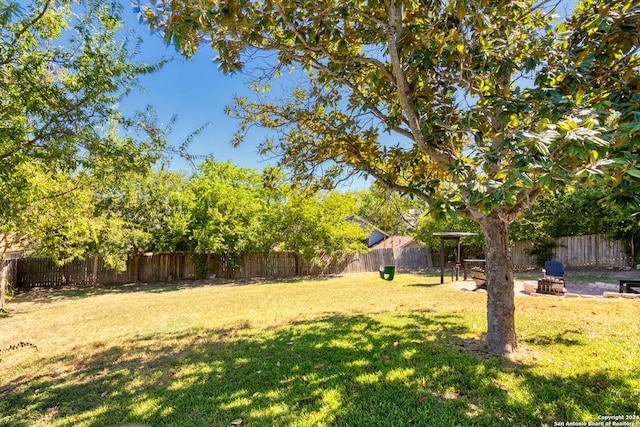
point(376, 234)
point(355, 218)
point(395, 242)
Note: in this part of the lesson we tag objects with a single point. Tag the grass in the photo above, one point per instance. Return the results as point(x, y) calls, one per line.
point(354, 351)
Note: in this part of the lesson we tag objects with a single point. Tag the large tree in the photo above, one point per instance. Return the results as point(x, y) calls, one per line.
point(489, 102)
point(63, 68)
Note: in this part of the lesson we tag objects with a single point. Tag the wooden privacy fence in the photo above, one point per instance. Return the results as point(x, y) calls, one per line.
point(520, 256)
point(573, 252)
point(591, 251)
point(282, 264)
point(404, 259)
point(41, 272)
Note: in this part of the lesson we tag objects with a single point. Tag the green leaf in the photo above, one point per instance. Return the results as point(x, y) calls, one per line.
point(634, 172)
point(630, 128)
point(510, 197)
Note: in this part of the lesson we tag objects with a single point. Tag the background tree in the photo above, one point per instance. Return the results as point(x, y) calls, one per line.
point(63, 68)
point(141, 212)
point(227, 218)
point(473, 246)
point(388, 210)
point(538, 224)
point(65, 227)
point(578, 211)
point(314, 227)
point(64, 206)
point(490, 101)
point(58, 101)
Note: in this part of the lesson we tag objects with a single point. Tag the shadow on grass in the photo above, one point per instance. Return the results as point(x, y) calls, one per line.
point(71, 292)
point(564, 338)
point(425, 285)
point(407, 369)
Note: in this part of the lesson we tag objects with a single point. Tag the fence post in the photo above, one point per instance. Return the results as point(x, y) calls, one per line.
point(3, 281)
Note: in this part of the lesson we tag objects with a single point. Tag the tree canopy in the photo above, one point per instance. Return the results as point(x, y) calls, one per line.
point(315, 227)
point(489, 102)
point(63, 68)
point(59, 104)
point(228, 210)
point(234, 213)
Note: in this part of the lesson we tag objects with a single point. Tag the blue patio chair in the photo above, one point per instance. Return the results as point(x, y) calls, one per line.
point(553, 281)
point(555, 270)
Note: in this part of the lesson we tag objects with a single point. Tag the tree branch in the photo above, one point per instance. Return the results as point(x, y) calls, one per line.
point(26, 27)
point(405, 93)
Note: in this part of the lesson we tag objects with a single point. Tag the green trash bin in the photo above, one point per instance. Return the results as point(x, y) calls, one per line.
point(387, 272)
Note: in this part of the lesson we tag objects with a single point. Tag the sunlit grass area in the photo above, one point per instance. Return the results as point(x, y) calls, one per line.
point(356, 351)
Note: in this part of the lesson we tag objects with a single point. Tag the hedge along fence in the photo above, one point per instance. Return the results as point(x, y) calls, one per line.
point(573, 252)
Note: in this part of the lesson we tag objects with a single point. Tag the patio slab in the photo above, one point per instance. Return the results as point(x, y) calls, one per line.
point(525, 288)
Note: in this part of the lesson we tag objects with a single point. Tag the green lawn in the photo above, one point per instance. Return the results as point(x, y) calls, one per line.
point(349, 351)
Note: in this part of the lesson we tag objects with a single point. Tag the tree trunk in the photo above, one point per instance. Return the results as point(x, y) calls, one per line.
point(94, 274)
point(501, 331)
point(3, 281)
point(297, 262)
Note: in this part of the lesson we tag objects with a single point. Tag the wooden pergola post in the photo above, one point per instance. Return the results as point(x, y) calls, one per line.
point(450, 236)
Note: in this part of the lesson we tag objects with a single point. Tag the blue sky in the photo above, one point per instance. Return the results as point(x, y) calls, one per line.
point(196, 92)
